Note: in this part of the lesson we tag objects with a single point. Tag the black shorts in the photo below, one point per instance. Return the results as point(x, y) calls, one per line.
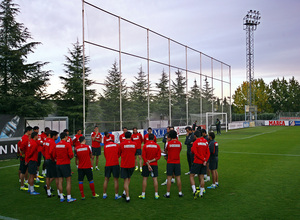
point(115, 170)
point(213, 163)
point(96, 151)
point(51, 169)
point(146, 172)
point(23, 166)
point(198, 169)
point(39, 159)
point(173, 168)
point(32, 167)
point(63, 170)
point(126, 172)
point(138, 152)
point(85, 172)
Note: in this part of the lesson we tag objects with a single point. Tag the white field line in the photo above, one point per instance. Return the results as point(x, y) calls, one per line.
point(7, 218)
point(266, 154)
point(255, 135)
point(8, 167)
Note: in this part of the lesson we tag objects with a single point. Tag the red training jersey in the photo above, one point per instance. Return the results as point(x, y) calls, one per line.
point(40, 141)
point(127, 150)
point(98, 137)
point(24, 143)
point(43, 136)
point(138, 139)
point(146, 138)
point(200, 150)
point(76, 140)
point(122, 138)
point(69, 140)
point(83, 154)
point(173, 149)
point(22, 157)
point(46, 148)
point(63, 153)
point(151, 150)
point(111, 154)
point(52, 148)
point(110, 138)
point(32, 151)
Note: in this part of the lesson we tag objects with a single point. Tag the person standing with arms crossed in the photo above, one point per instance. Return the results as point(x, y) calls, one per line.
point(96, 147)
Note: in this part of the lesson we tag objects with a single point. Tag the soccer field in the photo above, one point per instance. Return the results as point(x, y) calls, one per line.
point(258, 176)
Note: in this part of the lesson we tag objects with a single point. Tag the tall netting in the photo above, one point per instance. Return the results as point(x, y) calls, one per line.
point(142, 78)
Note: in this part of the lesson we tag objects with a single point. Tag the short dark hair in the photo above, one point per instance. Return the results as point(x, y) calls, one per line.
point(28, 128)
point(149, 128)
point(47, 133)
point(105, 133)
point(53, 133)
point(124, 128)
point(199, 128)
point(47, 129)
point(81, 139)
point(172, 134)
point(79, 129)
point(198, 133)
point(203, 131)
point(151, 137)
point(66, 130)
point(188, 128)
point(96, 126)
point(128, 134)
point(33, 134)
point(172, 127)
point(63, 135)
point(36, 128)
point(134, 128)
point(212, 134)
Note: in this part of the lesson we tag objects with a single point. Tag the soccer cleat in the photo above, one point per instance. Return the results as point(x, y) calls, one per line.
point(136, 168)
point(62, 200)
point(41, 177)
point(166, 196)
point(188, 173)
point(36, 186)
point(197, 188)
point(217, 185)
point(95, 196)
point(181, 195)
point(104, 196)
point(165, 172)
point(23, 188)
point(141, 169)
point(156, 197)
point(82, 198)
point(196, 194)
point(164, 183)
point(25, 184)
point(123, 196)
point(39, 181)
point(172, 181)
point(142, 196)
point(34, 193)
point(51, 195)
point(211, 187)
point(207, 179)
point(71, 200)
point(97, 168)
point(127, 200)
point(204, 191)
point(118, 197)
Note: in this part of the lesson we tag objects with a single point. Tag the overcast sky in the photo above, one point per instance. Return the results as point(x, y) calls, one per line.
point(212, 27)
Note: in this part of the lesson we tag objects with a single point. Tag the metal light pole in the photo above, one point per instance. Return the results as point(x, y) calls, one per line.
point(250, 22)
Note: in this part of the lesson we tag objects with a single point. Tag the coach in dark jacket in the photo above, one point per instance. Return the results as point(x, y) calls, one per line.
point(189, 143)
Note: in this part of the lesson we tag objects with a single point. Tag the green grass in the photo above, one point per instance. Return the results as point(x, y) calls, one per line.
point(258, 175)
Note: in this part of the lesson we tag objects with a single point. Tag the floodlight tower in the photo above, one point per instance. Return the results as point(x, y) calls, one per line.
point(250, 22)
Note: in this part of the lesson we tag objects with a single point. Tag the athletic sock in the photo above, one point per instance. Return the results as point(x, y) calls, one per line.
point(214, 185)
point(116, 195)
point(37, 173)
point(124, 193)
point(92, 186)
point(61, 196)
point(208, 178)
point(96, 167)
point(68, 196)
point(127, 198)
point(180, 193)
point(31, 188)
point(156, 194)
point(217, 183)
point(136, 167)
point(201, 190)
point(194, 188)
point(58, 193)
point(26, 181)
point(168, 193)
point(104, 194)
point(173, 180)
point(205, 175)
point(81, 188)
point(49, 192)
point(143, 193)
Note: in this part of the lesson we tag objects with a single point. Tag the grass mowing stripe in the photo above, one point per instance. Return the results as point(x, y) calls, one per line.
point(265, 154)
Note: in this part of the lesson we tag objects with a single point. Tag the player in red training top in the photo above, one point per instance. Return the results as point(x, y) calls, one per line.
point(69, 140)
point(31, 158)
point(146, 137)
point(173, 163)
point(83, 157)
point(76, 141)
point(108, 138)
point(151, 154)
point(48, 147)
point(127, 150)
point(23, 149)
point(40, 148)
point(112, 154)
point(138, 139)
point(201, 153)
point(96, 147)
point(43, 137)
point(122, 136)
point(63, 153)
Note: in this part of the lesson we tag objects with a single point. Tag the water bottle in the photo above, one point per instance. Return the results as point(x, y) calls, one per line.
point(152, 173)
point(10, 128)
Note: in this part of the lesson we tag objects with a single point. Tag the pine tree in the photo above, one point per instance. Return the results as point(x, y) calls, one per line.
point(194, 99)
point(161, 100)
point(22, 84)
point(207, 97)
point(70, 100)
point(179, 97)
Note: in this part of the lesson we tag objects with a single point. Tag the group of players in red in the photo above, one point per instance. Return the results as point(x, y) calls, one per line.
point(57, 158)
